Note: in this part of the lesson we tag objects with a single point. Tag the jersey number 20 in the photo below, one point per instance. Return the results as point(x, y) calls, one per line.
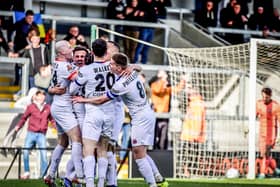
point(110, 80)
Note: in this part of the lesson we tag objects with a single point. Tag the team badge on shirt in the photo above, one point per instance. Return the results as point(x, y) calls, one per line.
point(80, 74)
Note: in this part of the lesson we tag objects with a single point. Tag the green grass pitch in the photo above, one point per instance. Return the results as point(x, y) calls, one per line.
point(172, 183)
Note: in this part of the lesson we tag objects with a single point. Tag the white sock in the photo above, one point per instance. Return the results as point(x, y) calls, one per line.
point(102, 168)
point(146, 170)
point(55, 160)
point(89, 168)
point(70, 170)
point(112, 169)
point(76, 155)
point(156, 172)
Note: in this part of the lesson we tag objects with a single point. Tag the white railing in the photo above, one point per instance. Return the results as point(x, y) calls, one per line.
point(109, 22)
point(213, 30)
point(25, 70)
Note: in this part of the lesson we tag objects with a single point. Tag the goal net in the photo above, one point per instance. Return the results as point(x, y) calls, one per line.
point(214, 111)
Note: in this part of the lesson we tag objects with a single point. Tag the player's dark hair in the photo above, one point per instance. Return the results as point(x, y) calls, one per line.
point(29, 13)
point(80, 48)
point(120, 59)
point(99, 47)
point(267, 91)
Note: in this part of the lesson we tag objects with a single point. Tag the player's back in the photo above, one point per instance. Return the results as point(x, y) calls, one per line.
point(132, 91)
point(96, 78)
point(60, 75)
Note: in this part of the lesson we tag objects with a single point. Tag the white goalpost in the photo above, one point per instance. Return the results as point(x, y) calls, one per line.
point(213, 106)
point(217, 106)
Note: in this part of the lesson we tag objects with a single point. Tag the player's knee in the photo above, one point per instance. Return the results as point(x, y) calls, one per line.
point(63, 141)
point(112, 146)
point(88, 150)
point(75, 134)
point(139, 152)
point(103, 142)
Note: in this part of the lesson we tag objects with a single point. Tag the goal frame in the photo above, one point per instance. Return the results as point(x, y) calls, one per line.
point(252, 101)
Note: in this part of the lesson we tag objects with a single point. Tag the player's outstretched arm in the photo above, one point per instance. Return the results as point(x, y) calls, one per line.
point(96, 100)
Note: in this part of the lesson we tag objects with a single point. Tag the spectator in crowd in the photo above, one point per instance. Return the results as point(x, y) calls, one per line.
point(227, 13)
point(3, 42)
point(274, 24)
point(266, 4)
point(11, 135)
point(42, 80)
point(10, 5)
point(194, 125)
point(38, 55)
point(21, 28)
point(237, 21)
point(116, 10)
point(206, 17)
point(72, 40)
point(50, 36)
point(146, 33)
point(244, 5)
point(258, 20)
point(39, 116)
point(75, 38)
point(73, 31)
point(132, 13)
point(160, 7)
point(268, 112)
point(160, 95)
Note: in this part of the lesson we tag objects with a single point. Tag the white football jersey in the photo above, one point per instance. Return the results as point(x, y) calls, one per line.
point(132, 92)
point(96, 78)
point(61, 71)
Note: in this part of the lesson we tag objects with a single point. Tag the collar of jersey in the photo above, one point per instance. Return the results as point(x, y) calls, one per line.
point(99, 62)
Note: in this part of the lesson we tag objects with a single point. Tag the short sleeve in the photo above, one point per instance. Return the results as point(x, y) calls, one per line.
point(81, 78)
point(117, 90)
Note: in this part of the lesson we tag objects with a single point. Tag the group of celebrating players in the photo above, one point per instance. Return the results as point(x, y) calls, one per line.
point(88, 99)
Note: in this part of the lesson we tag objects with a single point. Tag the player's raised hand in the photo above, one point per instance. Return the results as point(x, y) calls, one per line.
point(127, 71)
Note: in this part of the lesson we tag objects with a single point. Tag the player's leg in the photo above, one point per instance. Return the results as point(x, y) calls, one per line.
point(111, 177)
point(142, 133)
point(139, 155)
point(102, 159)
point(62, 144)
point(76, 152)
point(263, 153)
point(89, 147)
point(91, 132)
point(111, 156)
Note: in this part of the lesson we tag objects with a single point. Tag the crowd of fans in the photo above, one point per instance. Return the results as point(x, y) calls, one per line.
point(235, 15)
